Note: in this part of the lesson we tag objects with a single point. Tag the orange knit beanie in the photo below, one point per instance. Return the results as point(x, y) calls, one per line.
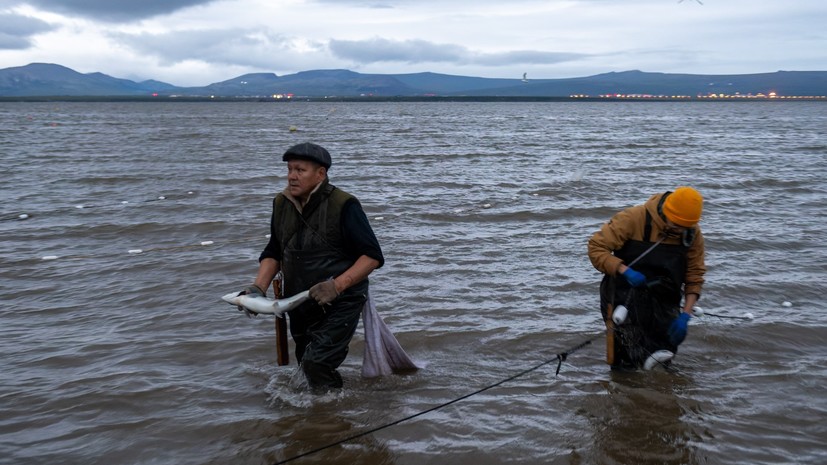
point(683, 207)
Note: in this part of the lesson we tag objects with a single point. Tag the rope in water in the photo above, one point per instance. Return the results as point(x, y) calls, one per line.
point(152, 249)
point(728, 316)
point(173, 197)
point(559, 358)
point(17, 216)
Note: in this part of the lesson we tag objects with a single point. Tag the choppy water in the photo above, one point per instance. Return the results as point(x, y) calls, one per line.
point(483, 211)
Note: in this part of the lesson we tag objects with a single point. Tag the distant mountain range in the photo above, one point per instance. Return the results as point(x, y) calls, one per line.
point(44, 80)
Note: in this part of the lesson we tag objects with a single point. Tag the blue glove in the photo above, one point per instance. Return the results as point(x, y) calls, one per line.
point(635, 278)
point(678, 328)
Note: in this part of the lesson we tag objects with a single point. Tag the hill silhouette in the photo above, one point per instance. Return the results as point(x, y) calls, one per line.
point(43, 79)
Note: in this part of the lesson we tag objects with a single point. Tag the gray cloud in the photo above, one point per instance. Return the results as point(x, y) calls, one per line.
point(16, 30)
point(421, 51)
point(116, 11)
point(238, 47)
point(383, 50)
point(526, 57)
point(377, 5)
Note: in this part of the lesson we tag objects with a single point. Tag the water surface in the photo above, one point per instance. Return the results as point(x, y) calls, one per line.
point(483, 211)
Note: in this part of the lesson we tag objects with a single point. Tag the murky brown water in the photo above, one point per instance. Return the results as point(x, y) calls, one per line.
point(483, 211)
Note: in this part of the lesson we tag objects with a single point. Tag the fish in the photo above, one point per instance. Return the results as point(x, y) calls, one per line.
point(260, 304)
point(659, 357)
point(383, 353)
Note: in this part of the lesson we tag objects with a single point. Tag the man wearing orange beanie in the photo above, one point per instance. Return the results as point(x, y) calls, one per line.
point(652, 255)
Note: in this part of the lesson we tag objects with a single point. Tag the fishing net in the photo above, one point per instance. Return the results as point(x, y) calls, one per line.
point(651, 309)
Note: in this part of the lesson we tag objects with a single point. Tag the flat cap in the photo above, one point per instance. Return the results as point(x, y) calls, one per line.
point(309, 151)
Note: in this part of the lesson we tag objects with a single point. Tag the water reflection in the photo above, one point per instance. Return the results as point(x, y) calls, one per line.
point(639, 418)
point(267, 442)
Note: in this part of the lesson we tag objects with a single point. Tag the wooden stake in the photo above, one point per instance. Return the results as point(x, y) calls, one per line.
point(610, 336)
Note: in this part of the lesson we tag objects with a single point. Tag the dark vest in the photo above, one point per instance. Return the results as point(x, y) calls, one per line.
point(312, 243)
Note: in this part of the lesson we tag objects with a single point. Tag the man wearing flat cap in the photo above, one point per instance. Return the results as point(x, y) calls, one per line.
point(321, 240)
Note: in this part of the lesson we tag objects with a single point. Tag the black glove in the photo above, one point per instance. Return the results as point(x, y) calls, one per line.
point(253, 291)
point(324, 293)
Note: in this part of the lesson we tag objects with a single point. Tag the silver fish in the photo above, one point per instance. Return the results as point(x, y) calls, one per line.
point(260, 304)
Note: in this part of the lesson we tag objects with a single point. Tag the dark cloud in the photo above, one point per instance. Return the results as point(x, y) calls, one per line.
point(115, 10)
point(420, 51)
point(16, 31)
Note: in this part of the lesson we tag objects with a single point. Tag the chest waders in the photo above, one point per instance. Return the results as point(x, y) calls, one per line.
point(312, 252)
point(651, 308)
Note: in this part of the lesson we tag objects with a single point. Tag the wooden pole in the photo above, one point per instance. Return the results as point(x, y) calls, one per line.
point(282, 352)
point(610, 336)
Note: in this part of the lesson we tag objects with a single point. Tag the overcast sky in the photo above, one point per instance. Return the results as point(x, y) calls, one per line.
point(198, 42)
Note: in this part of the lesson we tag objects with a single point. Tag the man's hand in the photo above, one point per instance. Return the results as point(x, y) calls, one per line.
point(678, 328)
point(253, 291)
point(635, 278)
point(324, 293)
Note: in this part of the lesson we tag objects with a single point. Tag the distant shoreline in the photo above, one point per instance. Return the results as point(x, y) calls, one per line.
point(374, 99)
